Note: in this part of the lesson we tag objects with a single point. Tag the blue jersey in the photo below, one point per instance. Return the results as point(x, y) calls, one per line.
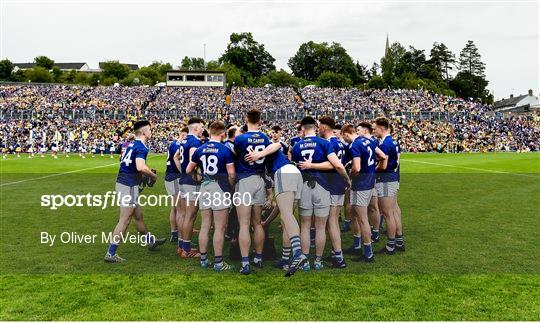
point(185, 146)
point(338, 183)
point(229, 144)
point(172, 171)
point(294, 141)
point(244, 144)
point(364, 148)
point(391, 148)
point(275, 161)
point(284, 148)
point(317, 149)
point(213, 158)
point(128, 173)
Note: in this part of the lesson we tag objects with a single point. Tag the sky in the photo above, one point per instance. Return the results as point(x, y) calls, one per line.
point(506, 33)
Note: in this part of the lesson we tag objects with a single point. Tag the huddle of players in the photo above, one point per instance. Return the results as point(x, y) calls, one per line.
point(314, 174)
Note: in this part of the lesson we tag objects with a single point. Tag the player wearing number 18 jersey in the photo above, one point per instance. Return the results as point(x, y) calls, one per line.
point(217, 166)
point(251, 182)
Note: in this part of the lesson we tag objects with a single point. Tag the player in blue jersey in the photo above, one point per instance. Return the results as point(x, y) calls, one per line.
point(296, 139)
point(387, 187)
point(366, 157)
point(287, 188)
point(172, 186)
point(251, 182)
point(132, 168)
point(189, 187)
point(216, 163)
point(315, 157)
point(276, 138)
point(337, 190)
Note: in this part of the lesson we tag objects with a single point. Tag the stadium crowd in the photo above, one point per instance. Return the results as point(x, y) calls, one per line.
point(83, 118)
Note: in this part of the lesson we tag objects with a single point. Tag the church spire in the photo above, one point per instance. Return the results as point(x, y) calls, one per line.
point(387, 45)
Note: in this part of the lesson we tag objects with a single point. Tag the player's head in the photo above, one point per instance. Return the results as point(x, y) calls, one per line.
point(309, 125)
point(244, 129)
point(232, 132)
point(253, 117)
point(381, 127)
point(337, 130)
point(348, 133)
point(299, 130)
point(204, 135)
point(326, 126)
point(276, 133)
point(195, 126)
point(217, 130)
point(364, 129)
point(142, 129)
point(183, 133)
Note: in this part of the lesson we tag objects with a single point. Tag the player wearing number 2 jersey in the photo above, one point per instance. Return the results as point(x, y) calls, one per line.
point(132, 167)
point(217, 167)
point(364, 154)
point(251, 182)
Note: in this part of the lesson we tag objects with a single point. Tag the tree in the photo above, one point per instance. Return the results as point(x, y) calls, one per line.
point(39, 74)
point(192, 63)
point(312, 59)
point(161, 69)
point(44, 61)
point(6, 68)
point(376, 82)
point(390, 61)
point(248, 55)
point(333, 80)
point(363, 73)
point(442, 59)
point(470, 81)
point(115, 70)
point(57, 75)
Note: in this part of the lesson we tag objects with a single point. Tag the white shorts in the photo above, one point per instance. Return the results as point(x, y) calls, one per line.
point(43, 150)
point(288, 179)
point(387, 189)
point(189, 191)
point(67, 150)
point(254, 186)
point(55, 149)
point(127, 195)
point(172, 187)
point(361, 198)
point(314, 201)
point(213, 198)
point(337, 200)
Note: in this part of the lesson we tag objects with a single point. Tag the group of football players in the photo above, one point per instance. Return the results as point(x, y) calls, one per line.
point(327, 168)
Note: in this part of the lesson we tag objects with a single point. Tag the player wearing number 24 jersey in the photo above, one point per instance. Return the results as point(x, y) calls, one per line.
point(128, 173)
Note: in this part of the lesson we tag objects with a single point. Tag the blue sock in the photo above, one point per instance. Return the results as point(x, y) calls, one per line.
point(180, 243)
point(218, 261)
point(357, 244)
point(112, 249)
point(187, 245)
point(375, 233)
point(312, 233)
point(368, 251)
point(286, 253)
point(174, 234)
point(399, 240)
point(295, 244)
point(338, 255)
point(257, 258)
point(347, 224)
point(245, 261)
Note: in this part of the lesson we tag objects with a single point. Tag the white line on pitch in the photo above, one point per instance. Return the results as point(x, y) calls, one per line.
point(59, 174)
point(471, 168)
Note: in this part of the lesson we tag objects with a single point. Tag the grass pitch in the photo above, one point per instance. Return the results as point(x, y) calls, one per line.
point(470, 223)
